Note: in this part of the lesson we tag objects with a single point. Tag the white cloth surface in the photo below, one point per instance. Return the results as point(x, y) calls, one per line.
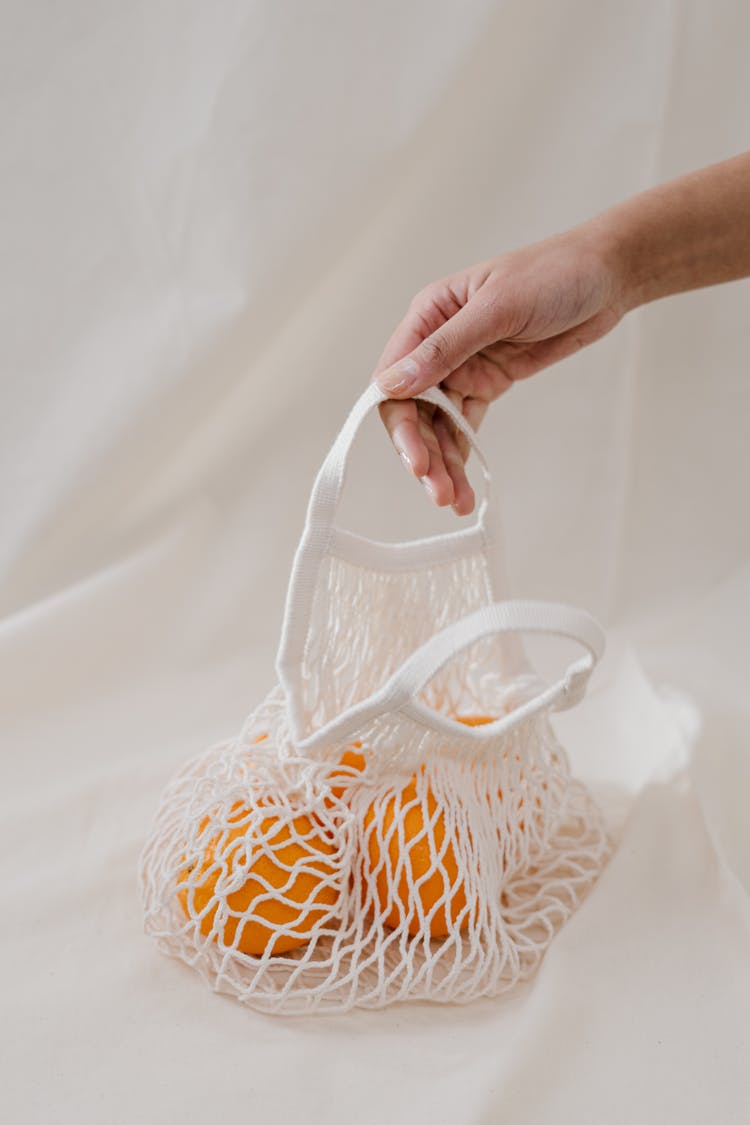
point(213, 215)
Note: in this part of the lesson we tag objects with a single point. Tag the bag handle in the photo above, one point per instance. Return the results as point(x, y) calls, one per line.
point(399, 693)
point(329, 483)
point(320, 530)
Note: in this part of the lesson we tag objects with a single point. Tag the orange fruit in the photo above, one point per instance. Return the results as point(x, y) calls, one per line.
point(475, 720)
point(480, 720)
point(292, 858)
point(426, 860)
point(351, 760)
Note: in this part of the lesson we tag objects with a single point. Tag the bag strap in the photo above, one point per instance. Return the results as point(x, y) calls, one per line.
point(320, 533)
point(400, 692)
point(326, 492)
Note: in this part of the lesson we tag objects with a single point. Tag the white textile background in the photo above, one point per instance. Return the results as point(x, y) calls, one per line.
point(213, 215)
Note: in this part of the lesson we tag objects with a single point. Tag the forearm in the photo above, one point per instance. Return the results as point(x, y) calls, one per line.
point(685, 234)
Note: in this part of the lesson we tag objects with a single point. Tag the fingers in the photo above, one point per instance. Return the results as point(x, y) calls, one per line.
point(401, 419)
point(432, 449)
point(437, 481)
point(405, 337)
point(431, 348)
point(472, 328)
point(474, 410)
point(453, 460)
point(412, 432)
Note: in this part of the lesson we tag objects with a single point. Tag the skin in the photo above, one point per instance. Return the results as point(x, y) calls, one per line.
point(478, 331)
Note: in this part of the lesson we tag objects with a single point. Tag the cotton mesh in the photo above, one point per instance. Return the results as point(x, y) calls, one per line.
point(299, 869)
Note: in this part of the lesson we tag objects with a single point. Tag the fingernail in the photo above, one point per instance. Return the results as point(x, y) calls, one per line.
point(427, 484)
point(401, 447)
point(399, 378)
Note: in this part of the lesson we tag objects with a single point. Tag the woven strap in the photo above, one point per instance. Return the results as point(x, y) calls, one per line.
point(326, 492)
point(400, 692)
point(320, 536)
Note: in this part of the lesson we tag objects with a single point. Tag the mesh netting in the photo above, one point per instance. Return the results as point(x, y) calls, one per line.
point(401, 861)
point(399, 865)
point(379, 619)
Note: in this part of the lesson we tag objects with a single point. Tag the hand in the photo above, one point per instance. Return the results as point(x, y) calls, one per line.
point(475, 333)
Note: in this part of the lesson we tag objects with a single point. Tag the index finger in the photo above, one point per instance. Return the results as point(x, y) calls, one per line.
point(425, 315)
point(405, 337)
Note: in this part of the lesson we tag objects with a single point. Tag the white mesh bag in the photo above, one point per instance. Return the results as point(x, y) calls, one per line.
point(397, 819)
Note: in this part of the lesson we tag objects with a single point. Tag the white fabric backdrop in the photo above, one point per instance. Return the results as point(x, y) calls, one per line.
point(213, 214)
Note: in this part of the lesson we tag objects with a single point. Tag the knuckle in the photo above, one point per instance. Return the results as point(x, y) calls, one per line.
point(435, 351)
point(422, 300)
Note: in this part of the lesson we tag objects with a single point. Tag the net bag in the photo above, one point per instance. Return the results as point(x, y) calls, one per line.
point(397, 819)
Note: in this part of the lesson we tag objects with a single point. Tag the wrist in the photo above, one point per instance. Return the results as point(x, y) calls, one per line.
point(611, 238)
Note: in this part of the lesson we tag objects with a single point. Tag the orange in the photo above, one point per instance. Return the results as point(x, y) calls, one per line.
point(352, 761)
point(293, 859)
point(475, 720)
point(479, 720)
point(426, 860)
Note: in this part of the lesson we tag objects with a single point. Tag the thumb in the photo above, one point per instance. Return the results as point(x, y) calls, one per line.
point(472, 328)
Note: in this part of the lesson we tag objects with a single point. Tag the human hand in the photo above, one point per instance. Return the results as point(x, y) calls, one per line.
point(478, 331)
